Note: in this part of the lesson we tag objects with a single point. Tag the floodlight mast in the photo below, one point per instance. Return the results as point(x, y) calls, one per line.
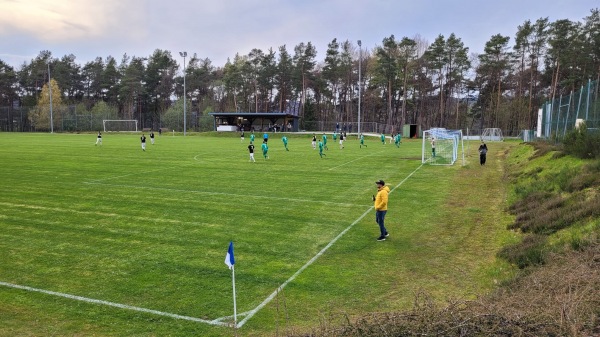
point(50, 91)
point(184, 54)
point(359, 80)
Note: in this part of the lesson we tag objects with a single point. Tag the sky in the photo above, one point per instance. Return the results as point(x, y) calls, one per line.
point(219, 29)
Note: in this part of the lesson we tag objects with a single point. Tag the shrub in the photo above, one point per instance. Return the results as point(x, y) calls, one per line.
point(528, 252)
point(582, 144)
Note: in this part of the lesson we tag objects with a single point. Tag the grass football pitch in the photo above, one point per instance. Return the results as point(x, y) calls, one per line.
point(113, 240)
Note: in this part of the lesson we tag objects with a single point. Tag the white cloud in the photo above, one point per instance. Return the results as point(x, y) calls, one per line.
point(53, 21)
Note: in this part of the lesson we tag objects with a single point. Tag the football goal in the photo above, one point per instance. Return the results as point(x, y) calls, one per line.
point(442, 147)
point(492, 135)
point(120, 125)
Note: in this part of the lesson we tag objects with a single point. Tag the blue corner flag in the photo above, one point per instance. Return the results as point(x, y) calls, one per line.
point(229, 260)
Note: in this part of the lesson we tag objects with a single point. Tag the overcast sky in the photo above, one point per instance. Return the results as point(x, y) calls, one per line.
point(219, 29)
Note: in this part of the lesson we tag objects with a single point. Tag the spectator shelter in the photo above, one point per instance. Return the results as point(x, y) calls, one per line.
point(257, 121)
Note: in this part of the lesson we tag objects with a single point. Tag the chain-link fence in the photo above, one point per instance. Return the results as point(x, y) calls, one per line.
point(559, 116)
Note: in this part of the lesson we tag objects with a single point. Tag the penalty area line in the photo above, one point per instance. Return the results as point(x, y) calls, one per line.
point(112, 304)
point(346, 163)
point(253, 312)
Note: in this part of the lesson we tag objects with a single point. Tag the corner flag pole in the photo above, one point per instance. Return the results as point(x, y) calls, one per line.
point(234, 305)
point(230, 262)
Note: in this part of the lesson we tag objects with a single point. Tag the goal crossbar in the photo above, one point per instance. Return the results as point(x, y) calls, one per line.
point(126, 124)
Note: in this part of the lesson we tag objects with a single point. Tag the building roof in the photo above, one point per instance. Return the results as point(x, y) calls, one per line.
point(251, 114)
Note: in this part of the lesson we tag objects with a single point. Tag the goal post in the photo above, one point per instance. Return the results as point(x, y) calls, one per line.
point(492, 135)
point(120, 125)
point(442, 147)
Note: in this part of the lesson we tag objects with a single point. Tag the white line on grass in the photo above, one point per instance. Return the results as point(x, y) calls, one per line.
point(217, 321)
point(311, 261)
point(112, 304)
point(372, 154)
point(226, 194)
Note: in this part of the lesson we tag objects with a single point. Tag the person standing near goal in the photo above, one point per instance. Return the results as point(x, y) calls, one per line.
point(143, 139)
point(152, 137)
point(433, 147)
point(482, 153)
point(99, 138)
point(381, 203)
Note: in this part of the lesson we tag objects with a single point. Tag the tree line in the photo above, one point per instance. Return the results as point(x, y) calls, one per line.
point(406, 80)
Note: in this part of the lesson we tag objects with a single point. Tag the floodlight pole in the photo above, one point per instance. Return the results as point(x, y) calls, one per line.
point(184, 54)
point(50, 91)
point(359, 80)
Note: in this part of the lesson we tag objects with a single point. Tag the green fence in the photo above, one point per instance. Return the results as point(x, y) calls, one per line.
point(560, 115)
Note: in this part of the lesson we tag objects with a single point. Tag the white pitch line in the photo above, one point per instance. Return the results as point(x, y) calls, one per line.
point(225, 194)
point(252, 312)
point(372, 154)
point(112, 304)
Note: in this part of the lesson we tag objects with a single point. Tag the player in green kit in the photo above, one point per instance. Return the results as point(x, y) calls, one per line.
point(252, 137)
point(321, 146)
point(265, 150)
point(334, 136)
point(362, 140)
point(383, 139)
point(284, 140)
point(325, 141)
point(397, 140)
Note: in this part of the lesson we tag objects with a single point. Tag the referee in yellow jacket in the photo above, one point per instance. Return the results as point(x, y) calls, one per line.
point(381, 202)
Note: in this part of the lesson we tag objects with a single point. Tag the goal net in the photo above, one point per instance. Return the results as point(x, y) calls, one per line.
point(120, 125)
point(492, 135)
point(442, 147)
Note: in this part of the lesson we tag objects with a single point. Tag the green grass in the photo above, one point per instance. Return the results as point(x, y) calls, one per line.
point(151, 229)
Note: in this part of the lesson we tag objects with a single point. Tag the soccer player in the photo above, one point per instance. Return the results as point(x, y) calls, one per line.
point(341, 140)
point(362, 140)
point(397, 140)
point(265, 137)
point(251, 150)
point(325, 141)
point(152, 137)
point(99, 139)
point(382, 138)
point(252, 137)
point(334, 136)
point(433, 147)
point(321, 146)
point(284, 140)
point(242, 136)
point(314, 142)
point(265, 150)
point(143, 139)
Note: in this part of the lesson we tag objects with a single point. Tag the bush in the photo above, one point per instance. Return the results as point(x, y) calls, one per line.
point(582, 143)
point(528, 252)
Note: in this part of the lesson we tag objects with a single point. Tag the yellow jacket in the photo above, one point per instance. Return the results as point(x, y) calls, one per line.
point(381, 200)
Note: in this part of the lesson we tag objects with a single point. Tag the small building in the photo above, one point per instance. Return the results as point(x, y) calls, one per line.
point(255, 121)
point(411, 131)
